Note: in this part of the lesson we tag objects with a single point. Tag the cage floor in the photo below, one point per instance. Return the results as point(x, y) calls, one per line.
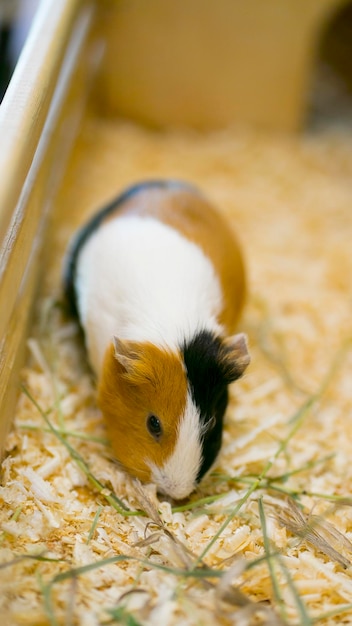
point(267, 537)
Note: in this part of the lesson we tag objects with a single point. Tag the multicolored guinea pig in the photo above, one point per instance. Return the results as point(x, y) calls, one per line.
point(157, 280)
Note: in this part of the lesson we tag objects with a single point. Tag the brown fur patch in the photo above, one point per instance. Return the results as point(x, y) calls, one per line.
point(155, 384)
point(190, 214)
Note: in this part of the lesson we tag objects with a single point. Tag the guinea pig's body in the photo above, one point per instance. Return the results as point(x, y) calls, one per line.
point(157, 280)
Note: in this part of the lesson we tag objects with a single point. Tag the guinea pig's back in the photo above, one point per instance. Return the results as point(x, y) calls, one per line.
point(182, 207)
point(155, 265)
point(186, 210)
point(117, 207)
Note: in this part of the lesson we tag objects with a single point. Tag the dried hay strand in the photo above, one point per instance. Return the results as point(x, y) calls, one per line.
point(266, 539)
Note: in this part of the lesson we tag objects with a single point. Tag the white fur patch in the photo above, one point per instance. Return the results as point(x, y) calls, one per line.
point(177, 477)
point(140, 279)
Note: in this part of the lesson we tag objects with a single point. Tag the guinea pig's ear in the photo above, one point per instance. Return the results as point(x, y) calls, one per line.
point(235, 357)
point(124, 354)
point(130, 356)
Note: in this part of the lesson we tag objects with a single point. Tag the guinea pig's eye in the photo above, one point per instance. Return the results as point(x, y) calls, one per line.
point(154, 426)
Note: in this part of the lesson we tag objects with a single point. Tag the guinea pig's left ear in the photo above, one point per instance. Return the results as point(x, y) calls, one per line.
point(235, 357)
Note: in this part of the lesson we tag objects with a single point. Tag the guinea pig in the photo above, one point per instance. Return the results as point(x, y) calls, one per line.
point(157, 280)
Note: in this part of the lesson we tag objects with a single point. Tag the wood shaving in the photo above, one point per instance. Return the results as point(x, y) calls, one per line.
point(72, 554)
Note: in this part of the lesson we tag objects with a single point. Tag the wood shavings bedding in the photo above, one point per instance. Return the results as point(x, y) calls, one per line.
point(72, 554)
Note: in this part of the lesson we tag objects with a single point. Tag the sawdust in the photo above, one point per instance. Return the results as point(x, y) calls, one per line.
point(266, 539)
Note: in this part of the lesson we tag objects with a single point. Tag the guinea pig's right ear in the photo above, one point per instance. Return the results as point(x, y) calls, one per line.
point(129, 355)
point(124, 354)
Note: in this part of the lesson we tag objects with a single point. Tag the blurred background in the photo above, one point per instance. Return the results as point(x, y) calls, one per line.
point(15, 20)
point(325, 74)
point(331, 90)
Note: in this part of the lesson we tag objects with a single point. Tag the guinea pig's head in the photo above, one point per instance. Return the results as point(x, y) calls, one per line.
point(164, 410)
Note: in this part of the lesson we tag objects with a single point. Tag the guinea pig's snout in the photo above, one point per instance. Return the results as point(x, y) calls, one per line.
point(177, 485)
point(174, 490)
point(177, 476)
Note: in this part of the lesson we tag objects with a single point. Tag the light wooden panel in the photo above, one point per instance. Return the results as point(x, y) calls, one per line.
point(38, 121)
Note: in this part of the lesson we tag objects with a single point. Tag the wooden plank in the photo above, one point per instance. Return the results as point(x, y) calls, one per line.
point(27, 100)
point(49, 108)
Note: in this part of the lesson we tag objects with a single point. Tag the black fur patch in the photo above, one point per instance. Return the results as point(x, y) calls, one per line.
point(91, 226)
point(203, 361)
